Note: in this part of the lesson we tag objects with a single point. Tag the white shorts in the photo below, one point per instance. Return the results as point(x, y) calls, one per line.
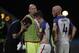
point(62, 48)
point(44, 48)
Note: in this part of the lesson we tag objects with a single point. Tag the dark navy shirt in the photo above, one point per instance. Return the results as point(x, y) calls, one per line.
point(14, 27)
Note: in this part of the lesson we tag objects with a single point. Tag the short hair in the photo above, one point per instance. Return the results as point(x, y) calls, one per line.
point(32, 5)
point(39, 13)
point(57, 6)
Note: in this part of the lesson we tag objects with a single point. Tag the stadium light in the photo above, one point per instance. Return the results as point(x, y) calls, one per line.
point(65, 13)
point(2, 15)
point(7, 18)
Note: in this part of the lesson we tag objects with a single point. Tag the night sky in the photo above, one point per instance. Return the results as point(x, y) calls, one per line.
point(19, 8)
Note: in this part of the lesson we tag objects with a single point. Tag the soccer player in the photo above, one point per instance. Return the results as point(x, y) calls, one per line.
point(25, 24)
point(61, 28)
point(30, 37)
point(43, 33)
point(14, 31)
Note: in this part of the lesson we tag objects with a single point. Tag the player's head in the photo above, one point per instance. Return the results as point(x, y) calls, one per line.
point(32, 9)
point(38, 14)
point(56, 10)
point(27, 22)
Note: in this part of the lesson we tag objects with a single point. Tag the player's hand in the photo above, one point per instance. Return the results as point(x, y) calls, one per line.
point(19, 46)
point(23, 26)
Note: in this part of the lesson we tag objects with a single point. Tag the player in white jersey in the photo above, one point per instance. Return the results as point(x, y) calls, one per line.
point(43, 33)
point(61, 27)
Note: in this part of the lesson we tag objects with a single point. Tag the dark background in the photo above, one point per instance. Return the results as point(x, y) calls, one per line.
point(19, 8)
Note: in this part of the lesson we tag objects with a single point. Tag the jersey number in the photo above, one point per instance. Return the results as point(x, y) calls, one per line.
point(64, 29)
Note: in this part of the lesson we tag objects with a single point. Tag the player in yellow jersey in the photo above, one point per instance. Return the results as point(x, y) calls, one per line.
point(30, 36)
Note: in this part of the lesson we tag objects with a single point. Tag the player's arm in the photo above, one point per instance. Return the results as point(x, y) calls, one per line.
point(37, 26)
point(47, 30)
point(22, 29)
point(24, 18)
point(46, 35)
point(38, 30)
point(24, 26)
point(54, 31)
point(73, 31)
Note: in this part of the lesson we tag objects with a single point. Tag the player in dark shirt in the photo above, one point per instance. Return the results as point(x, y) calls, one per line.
point(13, 32)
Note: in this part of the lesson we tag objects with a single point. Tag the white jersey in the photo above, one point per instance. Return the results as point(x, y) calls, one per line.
point(63, 26)
point(63, 32)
